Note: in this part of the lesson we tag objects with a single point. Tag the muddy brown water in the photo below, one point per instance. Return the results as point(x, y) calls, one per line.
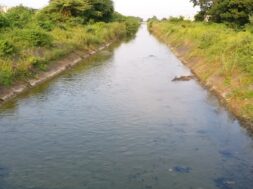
point(117, 121)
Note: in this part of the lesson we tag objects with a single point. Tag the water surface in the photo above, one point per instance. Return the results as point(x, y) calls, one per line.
point(117, 121)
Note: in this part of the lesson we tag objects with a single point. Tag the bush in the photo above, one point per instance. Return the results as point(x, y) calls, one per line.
point(6, 48)
point(233, 12)
point(44, 16)
point(46, 25)
point(3, 21)
point(132, 26)
point(36, 38)
point(19, 16)
point(117, 17)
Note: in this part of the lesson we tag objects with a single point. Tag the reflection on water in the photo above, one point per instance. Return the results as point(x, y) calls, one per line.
point(117, 121)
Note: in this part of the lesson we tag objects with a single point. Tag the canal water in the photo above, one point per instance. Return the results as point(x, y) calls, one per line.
point(117, 121)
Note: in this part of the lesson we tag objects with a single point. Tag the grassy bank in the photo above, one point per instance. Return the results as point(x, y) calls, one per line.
point(30, 39)
point(221, 57)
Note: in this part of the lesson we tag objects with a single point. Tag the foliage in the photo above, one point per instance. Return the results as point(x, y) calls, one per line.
point(231, 11)
point(36, 37)
point(132, 25)
point(46, 24)
point(102, 10)
point(19, 16)
point(200, 16)
point(6, 48)
point(3, 21)
point(234, 12)
point(204, 5)
point(69, 8)
point(86, 10)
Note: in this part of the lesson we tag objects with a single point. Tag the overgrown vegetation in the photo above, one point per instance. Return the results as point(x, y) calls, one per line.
point(219, 55)
point(30, 39)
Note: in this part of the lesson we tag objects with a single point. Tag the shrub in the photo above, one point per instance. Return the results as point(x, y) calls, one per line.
point(6, 48)
point(45, 16)
point(3, 21)
point(36, 38)
point(19, 16)
point(131, 27)
point(117, 17)
point(37, 62)
point(46, 25)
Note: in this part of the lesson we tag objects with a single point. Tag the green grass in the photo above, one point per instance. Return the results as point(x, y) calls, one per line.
point(224, 56)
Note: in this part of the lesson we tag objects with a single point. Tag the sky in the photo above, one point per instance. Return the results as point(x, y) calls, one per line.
point(142, 8)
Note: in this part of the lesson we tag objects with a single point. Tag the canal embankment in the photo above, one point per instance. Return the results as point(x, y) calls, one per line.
point(36, 45)
point(220, 57)
point(54, 69)
point(39, 64)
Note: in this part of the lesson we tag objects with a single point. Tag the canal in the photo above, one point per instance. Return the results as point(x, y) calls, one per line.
point(117, 121)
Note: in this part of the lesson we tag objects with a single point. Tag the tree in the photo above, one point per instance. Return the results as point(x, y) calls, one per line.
point(225, 11)
point(203, 4)
point(231, 11)
point(102, 10)
point(96, 10)
point(69, 8)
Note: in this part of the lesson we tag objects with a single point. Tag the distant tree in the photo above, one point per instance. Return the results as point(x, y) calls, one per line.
point(154, 18)
point(96, 10)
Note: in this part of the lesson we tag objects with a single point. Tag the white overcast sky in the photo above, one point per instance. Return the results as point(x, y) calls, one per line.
point(141, 8)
